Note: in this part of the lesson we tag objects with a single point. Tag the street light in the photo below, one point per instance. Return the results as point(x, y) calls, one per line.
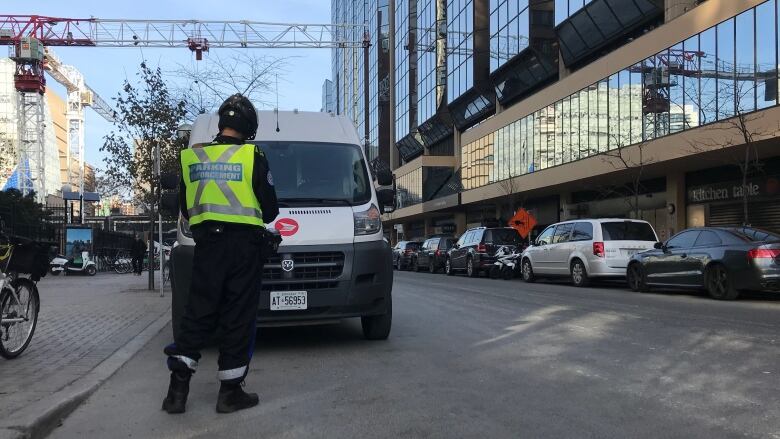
point(183, 131)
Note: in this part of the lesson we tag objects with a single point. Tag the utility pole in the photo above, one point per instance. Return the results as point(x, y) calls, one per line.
point(366, 92)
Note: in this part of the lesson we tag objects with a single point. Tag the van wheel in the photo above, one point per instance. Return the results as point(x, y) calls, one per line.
point(448, 267)
point(579, 275)
point(470, 270)
point(378, 327)
point(719, 284)
point(636, 278)
point(527, 271)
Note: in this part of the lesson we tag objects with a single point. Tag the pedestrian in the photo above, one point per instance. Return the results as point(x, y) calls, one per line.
point(230, 242)
point(137, 252)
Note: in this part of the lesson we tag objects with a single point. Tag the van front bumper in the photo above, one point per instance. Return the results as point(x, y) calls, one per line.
point(362, 288)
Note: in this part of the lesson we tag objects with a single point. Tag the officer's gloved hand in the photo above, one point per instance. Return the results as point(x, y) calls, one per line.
point(271, 240)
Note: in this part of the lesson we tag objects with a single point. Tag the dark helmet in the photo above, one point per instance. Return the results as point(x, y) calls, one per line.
point(237, 112)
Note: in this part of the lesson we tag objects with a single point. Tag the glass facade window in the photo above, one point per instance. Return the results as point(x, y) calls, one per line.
point(426, 60)
point(460, 47)
point(405, 63)
point(726, 70)
point(409, 188)
point(566, 8)
point(509, 30)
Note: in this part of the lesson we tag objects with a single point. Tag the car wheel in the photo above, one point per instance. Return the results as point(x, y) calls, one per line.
point(415, 267)
point(448, 267)
point(471, 271)
point(579, 275)
point(719, 284)
point(636, 278)
point(527, 271)
point(431, 267)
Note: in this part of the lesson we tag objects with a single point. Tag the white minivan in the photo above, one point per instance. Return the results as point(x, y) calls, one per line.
point(334, 262)
point(586, 249)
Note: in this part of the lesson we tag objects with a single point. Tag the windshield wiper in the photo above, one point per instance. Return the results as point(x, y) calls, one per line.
point(340, 201)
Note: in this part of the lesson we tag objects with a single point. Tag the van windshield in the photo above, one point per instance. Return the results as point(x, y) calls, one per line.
point(323, 174)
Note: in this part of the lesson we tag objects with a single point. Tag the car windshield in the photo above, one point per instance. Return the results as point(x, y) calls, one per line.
point(502, 236)
point(325, 174)
point(755, 235)
point(627, 231)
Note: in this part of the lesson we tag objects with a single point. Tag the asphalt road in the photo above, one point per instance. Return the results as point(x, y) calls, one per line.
point(484, 358)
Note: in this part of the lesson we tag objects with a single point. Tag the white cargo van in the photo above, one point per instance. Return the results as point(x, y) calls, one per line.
point(333, 262)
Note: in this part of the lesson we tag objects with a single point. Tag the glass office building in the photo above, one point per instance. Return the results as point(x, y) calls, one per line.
point(728, 69)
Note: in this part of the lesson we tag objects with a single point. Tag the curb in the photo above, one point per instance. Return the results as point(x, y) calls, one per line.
point(37, 420)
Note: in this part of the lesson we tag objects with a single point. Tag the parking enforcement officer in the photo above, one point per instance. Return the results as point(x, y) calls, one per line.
point(227, 195)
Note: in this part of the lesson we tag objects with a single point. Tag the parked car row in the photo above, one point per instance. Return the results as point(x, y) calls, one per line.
point(721, 260)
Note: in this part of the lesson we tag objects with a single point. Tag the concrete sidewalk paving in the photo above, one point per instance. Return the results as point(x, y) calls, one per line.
point(87, 328)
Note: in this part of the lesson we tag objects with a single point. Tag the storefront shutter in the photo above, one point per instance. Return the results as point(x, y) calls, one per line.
point(764, 215)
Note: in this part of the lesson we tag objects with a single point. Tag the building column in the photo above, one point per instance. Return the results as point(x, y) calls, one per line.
point(460, 223)
point(675, 204)
point(675, 8)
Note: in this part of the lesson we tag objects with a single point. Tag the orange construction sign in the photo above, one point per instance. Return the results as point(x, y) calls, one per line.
point(523, 222)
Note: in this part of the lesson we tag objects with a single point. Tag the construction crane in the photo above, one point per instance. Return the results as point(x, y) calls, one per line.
point(32, 36)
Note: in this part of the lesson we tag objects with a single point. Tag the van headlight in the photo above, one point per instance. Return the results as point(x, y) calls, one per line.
point(185, 227)
point(368, 222)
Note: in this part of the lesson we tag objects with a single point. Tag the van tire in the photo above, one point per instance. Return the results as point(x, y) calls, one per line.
point(527, 271)
point(579, 275)
point(378, 327)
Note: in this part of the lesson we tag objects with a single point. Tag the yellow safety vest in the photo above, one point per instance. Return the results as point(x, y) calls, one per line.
point(218, 181)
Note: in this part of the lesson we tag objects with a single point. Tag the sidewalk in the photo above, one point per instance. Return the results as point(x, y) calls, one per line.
point(83, 321)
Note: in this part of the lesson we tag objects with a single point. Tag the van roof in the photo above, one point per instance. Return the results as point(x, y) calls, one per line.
point(300, 126)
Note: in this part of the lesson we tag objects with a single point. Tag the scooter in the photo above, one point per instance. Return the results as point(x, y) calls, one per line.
point(507, 262)
point(61, 264)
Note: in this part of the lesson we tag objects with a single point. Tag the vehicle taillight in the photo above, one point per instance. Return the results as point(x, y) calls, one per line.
point(598, 249)
point(481, 248)
point(438, 252)
point(763, 253)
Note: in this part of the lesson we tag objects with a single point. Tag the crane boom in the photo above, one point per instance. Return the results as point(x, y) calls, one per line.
point(193, 34)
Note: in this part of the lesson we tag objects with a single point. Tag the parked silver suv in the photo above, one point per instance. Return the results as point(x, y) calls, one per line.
point(585, 249)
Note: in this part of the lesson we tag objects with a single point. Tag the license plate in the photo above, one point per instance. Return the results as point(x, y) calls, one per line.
point(288, 300)
point(630, 252)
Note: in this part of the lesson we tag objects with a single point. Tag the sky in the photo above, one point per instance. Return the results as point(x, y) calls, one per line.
point(105, 69)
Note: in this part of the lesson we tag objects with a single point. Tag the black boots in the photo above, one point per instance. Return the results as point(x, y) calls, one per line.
point(233, 398)
point(176, 400)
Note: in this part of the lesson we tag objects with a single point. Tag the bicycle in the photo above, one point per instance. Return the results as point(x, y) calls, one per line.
point(19, 299)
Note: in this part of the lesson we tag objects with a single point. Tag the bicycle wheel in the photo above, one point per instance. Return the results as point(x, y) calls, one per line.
point(18, 317)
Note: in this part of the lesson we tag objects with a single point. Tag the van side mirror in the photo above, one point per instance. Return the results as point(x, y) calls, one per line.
point(386, 198)
point(169, 203)
point(659, 245)
point(384, 177)
point(169, 181)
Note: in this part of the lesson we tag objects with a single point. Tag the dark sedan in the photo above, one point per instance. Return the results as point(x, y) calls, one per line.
point(722, 260)
point(403, 253)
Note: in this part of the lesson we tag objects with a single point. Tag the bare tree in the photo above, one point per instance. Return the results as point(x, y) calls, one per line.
point(735, 137)
point(632, 160)
point(205, 84)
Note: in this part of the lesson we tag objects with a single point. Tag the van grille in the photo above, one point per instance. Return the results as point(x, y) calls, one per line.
point(311, 270)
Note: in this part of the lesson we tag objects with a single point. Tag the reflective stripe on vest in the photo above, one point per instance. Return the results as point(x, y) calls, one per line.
point(230, 167)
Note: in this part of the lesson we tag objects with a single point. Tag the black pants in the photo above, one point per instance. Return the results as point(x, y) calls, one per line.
point(224, 296)
point(138, 263)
